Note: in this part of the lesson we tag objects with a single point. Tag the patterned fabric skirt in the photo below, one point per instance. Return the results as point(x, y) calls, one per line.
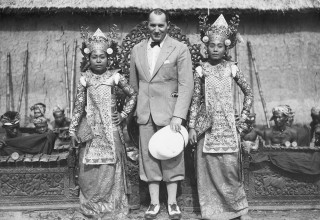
point(221, 193)
point(102, 187)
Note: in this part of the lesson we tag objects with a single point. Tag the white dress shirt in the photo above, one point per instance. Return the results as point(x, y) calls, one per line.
point(153, 54)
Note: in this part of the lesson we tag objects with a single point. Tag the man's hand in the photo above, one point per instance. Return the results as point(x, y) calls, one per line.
point(116, 118)
point(192, 136)
point(175, 124)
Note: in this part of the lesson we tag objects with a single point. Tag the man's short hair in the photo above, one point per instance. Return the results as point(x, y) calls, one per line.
point(159, 11)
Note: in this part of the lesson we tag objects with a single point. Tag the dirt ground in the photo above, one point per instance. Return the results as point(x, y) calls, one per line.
point(138, 214)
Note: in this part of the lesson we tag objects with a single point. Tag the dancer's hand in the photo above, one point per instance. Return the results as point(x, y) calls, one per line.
point(192, 136)
point(116, 118)
point(74, 139)
point(175, 124)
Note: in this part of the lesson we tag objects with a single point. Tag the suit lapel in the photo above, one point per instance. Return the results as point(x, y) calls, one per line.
point(166, 50)
point(142, 54)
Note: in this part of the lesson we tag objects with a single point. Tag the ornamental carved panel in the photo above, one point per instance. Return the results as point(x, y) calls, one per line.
point(267, 185)
point(31, 184)
point(27, 186)
point(271, 184)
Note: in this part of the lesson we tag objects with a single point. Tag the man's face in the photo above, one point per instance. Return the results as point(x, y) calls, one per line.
point(158, 26)
point(280, 119)
point(290, 121)
point(59, 117)
point(41, 128)
point(37, 113)
point(12, 131)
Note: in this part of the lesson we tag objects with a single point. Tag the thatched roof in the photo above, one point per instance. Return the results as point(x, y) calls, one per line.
point(174, 6)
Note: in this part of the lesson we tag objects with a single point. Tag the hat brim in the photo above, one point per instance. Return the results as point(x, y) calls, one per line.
point(166, 144)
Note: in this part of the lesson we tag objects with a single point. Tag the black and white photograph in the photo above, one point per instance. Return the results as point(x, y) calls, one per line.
point(145, 109)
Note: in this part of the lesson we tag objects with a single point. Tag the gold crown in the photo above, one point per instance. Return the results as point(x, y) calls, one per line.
point(99, 41)
point(220, 29)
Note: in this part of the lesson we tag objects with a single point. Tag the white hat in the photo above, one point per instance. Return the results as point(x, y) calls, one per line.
point(166, 144)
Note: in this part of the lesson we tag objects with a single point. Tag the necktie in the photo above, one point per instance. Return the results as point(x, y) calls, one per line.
point(153, 43)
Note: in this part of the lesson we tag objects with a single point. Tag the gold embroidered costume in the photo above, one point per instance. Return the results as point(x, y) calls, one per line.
point(220, 190)
point(102, 179)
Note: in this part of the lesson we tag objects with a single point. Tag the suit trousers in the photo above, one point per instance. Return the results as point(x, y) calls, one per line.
point(152, 169)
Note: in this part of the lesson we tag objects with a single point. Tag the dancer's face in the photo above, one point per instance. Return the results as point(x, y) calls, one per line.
point(98, 61)
point(216, 48)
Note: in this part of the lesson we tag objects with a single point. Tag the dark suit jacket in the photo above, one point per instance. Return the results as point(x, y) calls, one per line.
point(172, 75)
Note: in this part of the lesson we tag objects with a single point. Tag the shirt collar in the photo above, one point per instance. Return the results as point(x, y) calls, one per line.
point(161, 43)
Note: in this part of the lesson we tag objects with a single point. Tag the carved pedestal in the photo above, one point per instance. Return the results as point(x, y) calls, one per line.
point(38, 183)
point(271, 188)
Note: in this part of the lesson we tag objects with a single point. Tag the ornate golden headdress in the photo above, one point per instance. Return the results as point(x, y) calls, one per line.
point(221, 29)
point(98, 41)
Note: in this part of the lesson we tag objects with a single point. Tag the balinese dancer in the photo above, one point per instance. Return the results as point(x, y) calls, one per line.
point(102, 181)
point(221, 191)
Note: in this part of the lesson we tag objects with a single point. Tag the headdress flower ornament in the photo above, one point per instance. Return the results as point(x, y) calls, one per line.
point(221, 29)
point(10, 118)
point(199, 71)
point(99, 41)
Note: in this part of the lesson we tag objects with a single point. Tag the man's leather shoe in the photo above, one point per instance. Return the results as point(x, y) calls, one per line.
point(152, 211)
point(174, 211)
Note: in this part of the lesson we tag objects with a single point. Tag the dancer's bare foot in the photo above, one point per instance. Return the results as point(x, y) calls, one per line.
point(245, 217)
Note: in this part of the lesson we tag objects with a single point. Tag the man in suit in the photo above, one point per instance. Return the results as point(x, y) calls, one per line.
point(161, 72)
